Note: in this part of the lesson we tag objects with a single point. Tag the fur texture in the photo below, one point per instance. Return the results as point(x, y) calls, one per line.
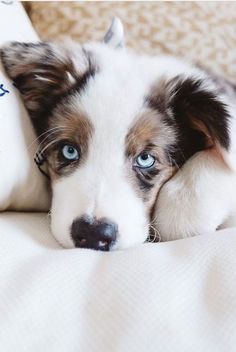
point(114, 106)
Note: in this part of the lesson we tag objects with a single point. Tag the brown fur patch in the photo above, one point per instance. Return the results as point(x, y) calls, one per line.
point(149, 134)
point(198, 116)
point(66, 127)
point(148, 131)
point(45, 73)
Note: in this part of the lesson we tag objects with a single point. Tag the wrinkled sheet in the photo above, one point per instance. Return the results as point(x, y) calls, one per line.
point(174, 296)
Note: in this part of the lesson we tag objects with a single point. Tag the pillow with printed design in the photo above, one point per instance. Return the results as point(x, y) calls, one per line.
point(22, 186)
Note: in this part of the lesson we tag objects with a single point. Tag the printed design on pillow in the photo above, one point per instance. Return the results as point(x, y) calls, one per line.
point(3, 90)
point(7, 2)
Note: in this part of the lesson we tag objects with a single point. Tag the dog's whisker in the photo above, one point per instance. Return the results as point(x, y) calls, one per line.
point(49, 145)
point(51, 132)
point(42, 134)
point(59, 129)
point(49, 214)
point(56, 130)
point(155, 236)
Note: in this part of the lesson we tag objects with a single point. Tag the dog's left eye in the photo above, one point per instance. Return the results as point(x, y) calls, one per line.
point(145, 160)
point(70, 153)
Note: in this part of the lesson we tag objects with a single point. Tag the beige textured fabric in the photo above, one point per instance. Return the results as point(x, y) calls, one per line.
point(201, 31)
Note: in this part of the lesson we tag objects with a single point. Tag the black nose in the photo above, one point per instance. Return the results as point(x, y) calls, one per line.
point(99, 234)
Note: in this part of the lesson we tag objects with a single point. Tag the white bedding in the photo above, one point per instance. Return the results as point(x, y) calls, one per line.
point(175, 296)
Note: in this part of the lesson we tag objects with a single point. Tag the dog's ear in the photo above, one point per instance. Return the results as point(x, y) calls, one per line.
point(114, 37)
point(196, 113)
point(43, 72)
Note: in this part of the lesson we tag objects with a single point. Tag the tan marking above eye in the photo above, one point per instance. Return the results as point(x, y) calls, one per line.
point(149, 134)
point(73, 128)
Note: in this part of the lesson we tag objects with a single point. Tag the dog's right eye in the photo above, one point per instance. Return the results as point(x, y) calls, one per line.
point(70, 152)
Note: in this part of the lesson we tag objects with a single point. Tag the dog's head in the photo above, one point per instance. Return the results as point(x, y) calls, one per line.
point(114, 127)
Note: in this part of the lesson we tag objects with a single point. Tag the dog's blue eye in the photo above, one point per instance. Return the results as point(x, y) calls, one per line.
point(145, 161)
point(70, 153)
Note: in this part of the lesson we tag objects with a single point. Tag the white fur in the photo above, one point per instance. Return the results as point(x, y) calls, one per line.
point(198, 199)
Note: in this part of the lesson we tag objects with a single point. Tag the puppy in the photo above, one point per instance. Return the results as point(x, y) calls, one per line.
point(132, 143)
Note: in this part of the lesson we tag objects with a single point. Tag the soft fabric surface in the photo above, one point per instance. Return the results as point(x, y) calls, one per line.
point(21, 184)
point(176, 296)
point(202, 31)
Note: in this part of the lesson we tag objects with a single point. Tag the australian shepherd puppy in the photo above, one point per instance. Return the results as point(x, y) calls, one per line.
point(132, 144)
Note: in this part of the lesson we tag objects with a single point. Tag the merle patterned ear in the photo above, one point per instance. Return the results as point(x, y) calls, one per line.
point(42, 72)
point(200, 118)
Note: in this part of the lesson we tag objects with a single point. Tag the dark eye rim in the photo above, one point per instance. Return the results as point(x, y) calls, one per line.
point(136, 165)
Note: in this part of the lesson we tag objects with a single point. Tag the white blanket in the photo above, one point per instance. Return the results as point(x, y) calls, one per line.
point(175, 296)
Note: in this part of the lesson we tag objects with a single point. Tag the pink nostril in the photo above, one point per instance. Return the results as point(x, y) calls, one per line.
point(103, 243)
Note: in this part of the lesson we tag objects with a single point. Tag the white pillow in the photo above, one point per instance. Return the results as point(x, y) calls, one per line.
point(21, 184)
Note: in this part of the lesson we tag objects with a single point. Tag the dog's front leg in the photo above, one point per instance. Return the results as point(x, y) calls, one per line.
point(197, 200)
